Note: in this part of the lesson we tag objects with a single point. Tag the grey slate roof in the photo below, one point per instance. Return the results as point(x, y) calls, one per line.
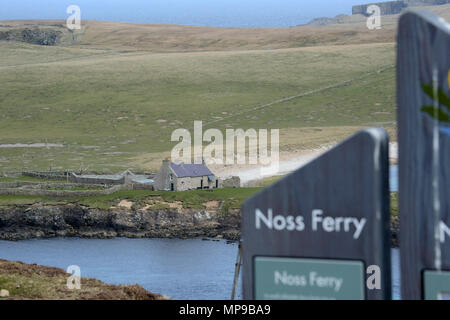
point(190, 170)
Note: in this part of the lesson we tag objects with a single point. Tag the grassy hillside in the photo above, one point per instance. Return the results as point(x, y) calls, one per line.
point(232, 197)
point(112, 98)
point(109, 108)
point(176, 38)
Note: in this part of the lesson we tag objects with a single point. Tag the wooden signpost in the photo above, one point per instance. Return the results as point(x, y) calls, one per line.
point(320, 232)
point(423, 77)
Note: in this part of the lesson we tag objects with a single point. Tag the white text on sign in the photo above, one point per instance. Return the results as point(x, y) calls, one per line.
point(320, 222)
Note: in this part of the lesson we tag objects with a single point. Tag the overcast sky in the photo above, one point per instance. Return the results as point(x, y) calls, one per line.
point(238, 13)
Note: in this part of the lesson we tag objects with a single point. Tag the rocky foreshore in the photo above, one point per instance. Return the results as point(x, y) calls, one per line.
point(72, 220)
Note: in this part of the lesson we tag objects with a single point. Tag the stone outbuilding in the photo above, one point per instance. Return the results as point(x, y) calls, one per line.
point(126, 177)
point(185, 176)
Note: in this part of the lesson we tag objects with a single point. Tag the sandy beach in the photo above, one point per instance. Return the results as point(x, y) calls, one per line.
point(289, 162)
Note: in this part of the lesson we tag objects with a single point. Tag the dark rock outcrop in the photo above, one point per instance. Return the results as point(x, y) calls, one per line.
point(71, 220)
point(46, 37)
point(390, 7)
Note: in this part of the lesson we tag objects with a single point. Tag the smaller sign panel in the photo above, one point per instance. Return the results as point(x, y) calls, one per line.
point(423, 113)
point(308, 279)
point(436, 285)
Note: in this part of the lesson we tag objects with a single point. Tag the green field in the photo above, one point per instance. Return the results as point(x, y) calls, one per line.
point(113, 109)
point(113, 94)
point(230, 198)
point(233, 197)
point(108, 110)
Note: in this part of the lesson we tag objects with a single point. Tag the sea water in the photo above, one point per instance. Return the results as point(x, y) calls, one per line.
point(181, 269)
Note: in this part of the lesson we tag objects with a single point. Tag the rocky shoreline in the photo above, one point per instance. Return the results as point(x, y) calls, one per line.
point(73, 220)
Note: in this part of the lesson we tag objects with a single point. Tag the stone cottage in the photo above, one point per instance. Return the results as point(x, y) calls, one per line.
point(184, 176)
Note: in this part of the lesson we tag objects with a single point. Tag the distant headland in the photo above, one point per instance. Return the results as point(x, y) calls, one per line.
point(395, 7)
